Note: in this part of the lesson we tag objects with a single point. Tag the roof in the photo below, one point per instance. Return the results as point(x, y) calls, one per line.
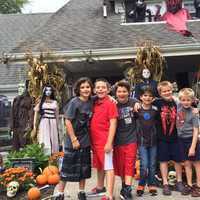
point(79, 25)
point(14, 29)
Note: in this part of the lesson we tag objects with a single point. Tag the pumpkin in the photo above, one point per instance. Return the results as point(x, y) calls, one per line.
point(41, 179)
point(53, 179)
point(50, 170)
point(33, 193)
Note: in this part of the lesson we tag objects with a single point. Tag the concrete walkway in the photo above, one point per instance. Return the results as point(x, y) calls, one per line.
point(72, 188)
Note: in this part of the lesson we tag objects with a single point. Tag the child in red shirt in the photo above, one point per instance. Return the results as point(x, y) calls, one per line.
point(103, 127)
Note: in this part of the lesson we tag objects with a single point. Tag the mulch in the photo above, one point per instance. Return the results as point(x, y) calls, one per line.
point(23, 195)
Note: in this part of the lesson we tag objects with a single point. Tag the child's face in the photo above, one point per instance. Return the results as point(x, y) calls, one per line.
point(101, 89)
point(186, 101)
point(166, 93)
point(147, 98)
point(122, 94)
point(85, 90)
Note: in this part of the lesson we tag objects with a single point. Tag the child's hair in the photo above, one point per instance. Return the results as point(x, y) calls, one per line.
point(78, 84)
point(164, 84)
point(122, 83)
point(188, 92)
point(103, 80)
point(146, 89)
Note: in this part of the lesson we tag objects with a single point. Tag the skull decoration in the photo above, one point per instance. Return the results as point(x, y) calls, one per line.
point(172, 178)
point(12, 188)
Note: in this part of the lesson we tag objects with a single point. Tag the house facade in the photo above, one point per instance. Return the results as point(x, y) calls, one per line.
point(85, 41)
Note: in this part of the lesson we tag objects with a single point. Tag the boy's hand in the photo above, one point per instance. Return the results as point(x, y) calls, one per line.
point(137, 107)
point(108, 147)
point(191, 152)
point(195, 111)
point(112, 99)
point(75, 144)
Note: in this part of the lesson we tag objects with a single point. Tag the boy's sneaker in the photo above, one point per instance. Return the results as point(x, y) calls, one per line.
point(82, 196)
point(195, 192)
point(97, 192)
point(125, 193)
point(140, 190)
point(187, 190)
point(166, 190)
point(152, 190)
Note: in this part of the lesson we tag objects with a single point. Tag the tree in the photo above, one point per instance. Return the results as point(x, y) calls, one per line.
point(12, 6)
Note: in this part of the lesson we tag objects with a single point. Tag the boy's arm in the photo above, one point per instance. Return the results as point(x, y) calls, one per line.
point(194, 141)
point(111, 134)
point(71, 134)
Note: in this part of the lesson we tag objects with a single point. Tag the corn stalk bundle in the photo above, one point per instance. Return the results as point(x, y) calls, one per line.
point(147, 56)
point(41, 74)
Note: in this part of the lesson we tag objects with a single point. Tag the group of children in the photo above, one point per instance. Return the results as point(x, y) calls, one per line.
point(159, 129)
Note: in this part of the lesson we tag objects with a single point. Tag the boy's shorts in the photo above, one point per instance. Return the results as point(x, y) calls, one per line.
point(124, 159)
point(102, 160)
point(169, 151)
point(185, 144)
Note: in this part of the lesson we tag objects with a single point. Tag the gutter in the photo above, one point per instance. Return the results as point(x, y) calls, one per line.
point(106, 54)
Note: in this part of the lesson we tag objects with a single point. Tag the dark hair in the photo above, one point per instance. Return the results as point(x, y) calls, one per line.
point(103, 80)
point(78, 84)
point(122, 83)
point(44, 97)
point(146, 89)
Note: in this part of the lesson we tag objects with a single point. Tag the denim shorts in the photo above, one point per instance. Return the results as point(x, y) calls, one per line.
point(168, 151)
point(185, 144)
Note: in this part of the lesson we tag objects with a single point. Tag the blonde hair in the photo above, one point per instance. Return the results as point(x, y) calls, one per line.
point(164, 84)
point(188, 92)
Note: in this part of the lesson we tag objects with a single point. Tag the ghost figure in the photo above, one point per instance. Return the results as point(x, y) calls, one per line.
point(12, 188)
point(172, 178)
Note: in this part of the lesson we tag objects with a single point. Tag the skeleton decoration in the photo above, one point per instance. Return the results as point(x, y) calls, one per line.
point(12, 188)
point(172, 178)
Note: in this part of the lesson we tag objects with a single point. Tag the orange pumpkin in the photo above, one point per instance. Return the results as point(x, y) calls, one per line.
point(50, 170)
point(41, 179)
point(34, 193)
point(53, 179)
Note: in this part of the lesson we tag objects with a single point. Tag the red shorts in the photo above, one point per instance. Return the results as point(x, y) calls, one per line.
point(102, 160)
point(124, 159)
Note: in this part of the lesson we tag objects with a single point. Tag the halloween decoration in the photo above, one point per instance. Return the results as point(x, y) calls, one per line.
point(197, 8)
point(12, 188)
point(148, 57)
point(21, 116)
point(48, 110)
point(34, 193)
point(172, 178)
point(176, 17)
point(40, 74)
point(147, 81)
point(136, 11)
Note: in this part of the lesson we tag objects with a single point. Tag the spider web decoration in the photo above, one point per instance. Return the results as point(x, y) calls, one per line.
point(40, 74)
point(147, 56)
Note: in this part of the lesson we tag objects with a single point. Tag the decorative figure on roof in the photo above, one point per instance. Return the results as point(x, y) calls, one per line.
point(157, 16)
point(176, 17)
point(21, 116)
point(138, 11)
point(48, 122)
point(197, 8)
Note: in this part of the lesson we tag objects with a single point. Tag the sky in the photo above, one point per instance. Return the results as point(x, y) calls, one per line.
point(36, 6)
